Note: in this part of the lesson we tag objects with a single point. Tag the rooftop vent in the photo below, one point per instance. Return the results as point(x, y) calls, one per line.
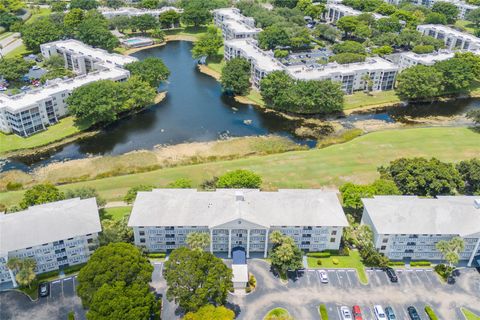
point(239, 196)
point(476, 203)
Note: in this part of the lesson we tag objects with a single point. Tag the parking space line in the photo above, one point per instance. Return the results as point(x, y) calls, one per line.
point(349, 281)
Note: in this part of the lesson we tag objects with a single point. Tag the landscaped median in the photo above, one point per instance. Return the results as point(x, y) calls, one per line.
point(469, 315)
point(326, 260)
point(278, 313)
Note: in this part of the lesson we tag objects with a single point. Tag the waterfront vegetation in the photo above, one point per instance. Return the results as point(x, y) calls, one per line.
point(353, 260)
point(354, 161)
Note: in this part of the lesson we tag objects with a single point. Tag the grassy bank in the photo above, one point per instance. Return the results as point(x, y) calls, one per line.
point(354, 161)
point(63, 129)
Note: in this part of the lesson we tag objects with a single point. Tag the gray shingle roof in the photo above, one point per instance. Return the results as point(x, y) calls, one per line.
point(47, 223)
point(454, 215)
point(189, 207)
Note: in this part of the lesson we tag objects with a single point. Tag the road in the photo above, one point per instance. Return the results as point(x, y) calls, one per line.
point(10, 43)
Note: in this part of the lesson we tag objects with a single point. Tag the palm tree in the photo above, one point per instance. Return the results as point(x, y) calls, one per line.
point(198, 240)
point(276, 237)
point(25, 277)
point(368, 83)
point(14, 263)
point(451, 249)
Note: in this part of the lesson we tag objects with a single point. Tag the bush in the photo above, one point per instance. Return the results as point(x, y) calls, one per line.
point(420, 264)
point(12, 186)
point(156, 255)
point(248, 289)
point(319, 254)
point(335, 261)
point(443, 270)
point(71, 315)
point(132, 192)
point(252, 282)
point(396, 263)
point(239, 179)
point(344, 252)
point(319, 262)
point(431, 314)
point(323, 312)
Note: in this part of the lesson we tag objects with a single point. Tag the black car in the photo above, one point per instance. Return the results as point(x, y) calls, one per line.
point(44, 289)
point(412, 312)
point(391, 275)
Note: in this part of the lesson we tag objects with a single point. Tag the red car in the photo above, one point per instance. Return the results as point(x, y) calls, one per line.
point(357, 314)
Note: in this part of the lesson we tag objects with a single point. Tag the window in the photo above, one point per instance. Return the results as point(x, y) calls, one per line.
point(142, 240)
point(385, 240)
point(142, 233)
point(383, 247)
point(332, 239)
point(334, 233)
point(89, 240)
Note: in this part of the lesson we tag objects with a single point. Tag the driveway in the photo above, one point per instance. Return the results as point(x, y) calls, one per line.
point(62, 300)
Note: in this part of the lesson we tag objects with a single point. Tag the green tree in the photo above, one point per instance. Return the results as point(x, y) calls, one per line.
point(383, 50)
point(151, 70)
point(451, 249)
point(24, 270)
point(236, 76)
point(85, 193)
point(372, 258)
point(352, 194)
point(285, 3)
point(279, 53)
point(347, 57)
point(390, 24)
point(121, 23)
point(285, 254)
point(474, 16)
point(181, 183)
point(169, 19)
point(208, 44)
point(348, 24)
point(41, 30)
point(419, 82)
point(115, 231)
point(272, 37)
point(408, 38)
point(143, 22)
point(449, 10)
point(349, 47)
point(12, 69)
point(436, 18)
point(470, 172)
point(211, 312)
point(242, 179)
point(197, 12)
point(39, 194)
point(119, 301)
point(474, 115)
point(83, 4)
point(90, 32)
point(457, 74)
point(132, 192)
point(115, 4)
point(326, 32)
point(73, 19)
point(422, 49)
point(422, 177)
point(110, 264)
point(149, 4)
point(274, 85)
point(386, 9)
point(198, 240)
point(196, 278)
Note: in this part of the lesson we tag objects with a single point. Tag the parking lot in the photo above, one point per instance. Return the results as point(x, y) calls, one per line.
point(61, 300)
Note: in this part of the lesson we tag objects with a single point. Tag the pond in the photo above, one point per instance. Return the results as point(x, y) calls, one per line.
point(196, 110)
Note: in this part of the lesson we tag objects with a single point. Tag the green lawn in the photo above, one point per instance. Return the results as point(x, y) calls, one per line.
point(256, 97)
point(353, 161)
point(352, 261)
point(64, 128)
point(5, 34)
point(116, 213)
point(469, 315)
point(361, 99)
point(37, 13)
point(467, 25)
point(18, 51)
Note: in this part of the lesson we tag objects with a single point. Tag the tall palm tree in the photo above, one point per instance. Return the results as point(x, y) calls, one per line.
point(25, 277)
point(198, 240)
point(14, 263)
point(451, 249)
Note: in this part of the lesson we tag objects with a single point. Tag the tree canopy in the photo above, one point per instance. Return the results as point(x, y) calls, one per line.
point(211, 313)
point(115, 231)
point(132, 192)
point(39, 194)
point(12, 69)
point(449, 10)
point(470, 172)
point(285, 254)
point(108, 265)
point(198, 240)
point(419, 82)
point(196, 278)
point(41, 30)
point(151, 70)
point(208, 43)
point(236, 76)
point(242, 179)
point(83, 4)
point(85, 193)
point(197, 12)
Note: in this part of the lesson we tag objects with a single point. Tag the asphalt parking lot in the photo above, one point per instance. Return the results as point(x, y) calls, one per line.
point(62, 300)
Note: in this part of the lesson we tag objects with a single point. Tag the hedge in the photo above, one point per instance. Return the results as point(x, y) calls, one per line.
point(431, 314)
point(323, 312)
point(396, 263)
point(420, 264)
point(319, 254)
point(156, 255)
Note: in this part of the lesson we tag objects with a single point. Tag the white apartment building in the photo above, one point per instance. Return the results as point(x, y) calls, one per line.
point(32, 111)
point(133, 12)
point(56, 235)
point(408, 227)
point(352, 76)
point(463, 7)
point(162, 218)
point(234, 25)
point(410, 59)
point(335, 11)
point(454, 39)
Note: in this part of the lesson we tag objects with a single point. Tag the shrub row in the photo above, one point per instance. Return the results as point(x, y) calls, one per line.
point(420, 264)
point(396, 263)
point(156, 255)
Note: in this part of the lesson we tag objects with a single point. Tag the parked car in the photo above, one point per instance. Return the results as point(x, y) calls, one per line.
point(379, 313)
point(357, 313)
point(390, 314)
point(391, 275)
point(412, 312)
point(323, 276)
point(346, 314)
point(44, 289)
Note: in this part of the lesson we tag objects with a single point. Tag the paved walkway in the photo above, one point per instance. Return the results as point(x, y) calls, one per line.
point(10, 43)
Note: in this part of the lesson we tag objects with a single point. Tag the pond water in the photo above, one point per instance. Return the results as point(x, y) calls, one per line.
point(196, 110)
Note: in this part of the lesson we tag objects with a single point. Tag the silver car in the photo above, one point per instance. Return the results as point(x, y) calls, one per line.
point(323, 276)
point(346, 314)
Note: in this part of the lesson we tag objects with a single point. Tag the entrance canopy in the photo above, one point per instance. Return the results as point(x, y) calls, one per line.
point(239, 256)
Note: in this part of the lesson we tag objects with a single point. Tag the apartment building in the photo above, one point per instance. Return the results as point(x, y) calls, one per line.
point(454, 39)
point(234, 25)
point(56, 235)
point(463, 7)
point(408, 227)
point(162, 218)
point(32, 111)
point(134, 12)
point(334, 11)
point(352, 76)
point(410, 59)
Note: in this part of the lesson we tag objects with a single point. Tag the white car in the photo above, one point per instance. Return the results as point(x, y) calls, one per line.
point(379, 313)
point(323, 276)
point(346, 314)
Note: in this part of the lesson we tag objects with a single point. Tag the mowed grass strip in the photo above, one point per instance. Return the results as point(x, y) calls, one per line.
point(354, 161)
